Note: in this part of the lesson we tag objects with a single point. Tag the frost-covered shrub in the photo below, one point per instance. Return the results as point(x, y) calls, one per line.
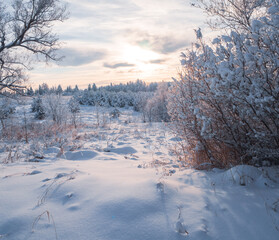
point(40, 112)
point(55, 108)
point(35, 103)
point(73, 105)
point(7, 108)
point(74, 108)
point(155, 109)
point(38, 108)
point(115, 113)
point(140, 100)
point(225, 103)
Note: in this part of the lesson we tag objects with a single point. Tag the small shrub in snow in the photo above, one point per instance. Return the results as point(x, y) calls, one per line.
point(115, 113)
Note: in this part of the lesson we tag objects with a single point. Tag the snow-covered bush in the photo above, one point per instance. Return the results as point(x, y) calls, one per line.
point(38, 108)
point(226, 101)
point(40, 113)
point(73, 105)
point(155, 109)
point(140, 100)
point(55, 108)
point(7, 108)
point(115, 113)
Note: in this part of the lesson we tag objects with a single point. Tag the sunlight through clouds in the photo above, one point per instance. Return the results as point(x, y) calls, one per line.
point(121, 40)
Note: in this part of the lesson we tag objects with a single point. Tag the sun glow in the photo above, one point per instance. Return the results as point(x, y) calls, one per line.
point(136, 55)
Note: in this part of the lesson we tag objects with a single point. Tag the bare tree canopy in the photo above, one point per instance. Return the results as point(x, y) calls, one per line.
point(25, 31)
point(231, 14)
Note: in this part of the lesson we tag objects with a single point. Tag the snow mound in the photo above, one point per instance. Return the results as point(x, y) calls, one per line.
point(242, 175)
point(79, 155)
point(52, 150)
point(124, 150)
point(34, 172)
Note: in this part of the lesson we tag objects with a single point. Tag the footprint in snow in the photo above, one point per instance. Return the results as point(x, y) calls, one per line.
point(67, 197)
point(46, 179)
point(180, 226)
point(158, 153)
point(60, 175)
point(74, 207)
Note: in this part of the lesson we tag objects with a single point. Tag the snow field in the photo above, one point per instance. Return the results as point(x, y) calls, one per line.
point(123, 183)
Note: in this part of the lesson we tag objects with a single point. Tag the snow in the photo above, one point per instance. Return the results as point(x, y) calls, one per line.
point(122, 182)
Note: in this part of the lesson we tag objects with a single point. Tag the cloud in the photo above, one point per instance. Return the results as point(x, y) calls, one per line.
point(76, 57)
point(157, 61)
point(167, 45)
point(118, 65)
point(100, 31)
point(160, 43)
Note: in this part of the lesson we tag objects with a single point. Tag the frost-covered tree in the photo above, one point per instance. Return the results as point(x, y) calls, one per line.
point(30, 91)
point(38, 108)
point(76, 89)
point(43, 89)
point(55, 108)
point(155, 109)
point(6, 110)
point(59, 90)
point(236, 15)
point(137, 86)
point(94, 87)
point(74, 108)
point(35, 103)
point(121, 99)
point(226, 101)
point(25, 32)
point(40, 112)
point(89, 88)
point(68, 91)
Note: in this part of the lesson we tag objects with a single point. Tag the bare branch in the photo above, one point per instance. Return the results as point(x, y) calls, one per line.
point(25, 31)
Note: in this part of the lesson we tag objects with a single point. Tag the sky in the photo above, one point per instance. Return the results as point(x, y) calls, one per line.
point(113, 41)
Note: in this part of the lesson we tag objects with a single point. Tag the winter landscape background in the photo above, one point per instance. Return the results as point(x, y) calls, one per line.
point(192, 157)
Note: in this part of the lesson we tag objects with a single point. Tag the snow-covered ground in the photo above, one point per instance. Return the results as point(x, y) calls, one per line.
point(120, 181)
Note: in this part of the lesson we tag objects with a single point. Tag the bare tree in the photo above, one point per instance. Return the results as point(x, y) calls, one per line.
point(231, 14)
point(25, 32)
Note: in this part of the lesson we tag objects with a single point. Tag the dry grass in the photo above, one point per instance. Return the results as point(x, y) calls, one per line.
point(15, 132)
point(13, 154)
point(48, 134)
point(54, 185)
point(222, 156)
point(214, 155)
point(50, 220)
point(39, 136)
